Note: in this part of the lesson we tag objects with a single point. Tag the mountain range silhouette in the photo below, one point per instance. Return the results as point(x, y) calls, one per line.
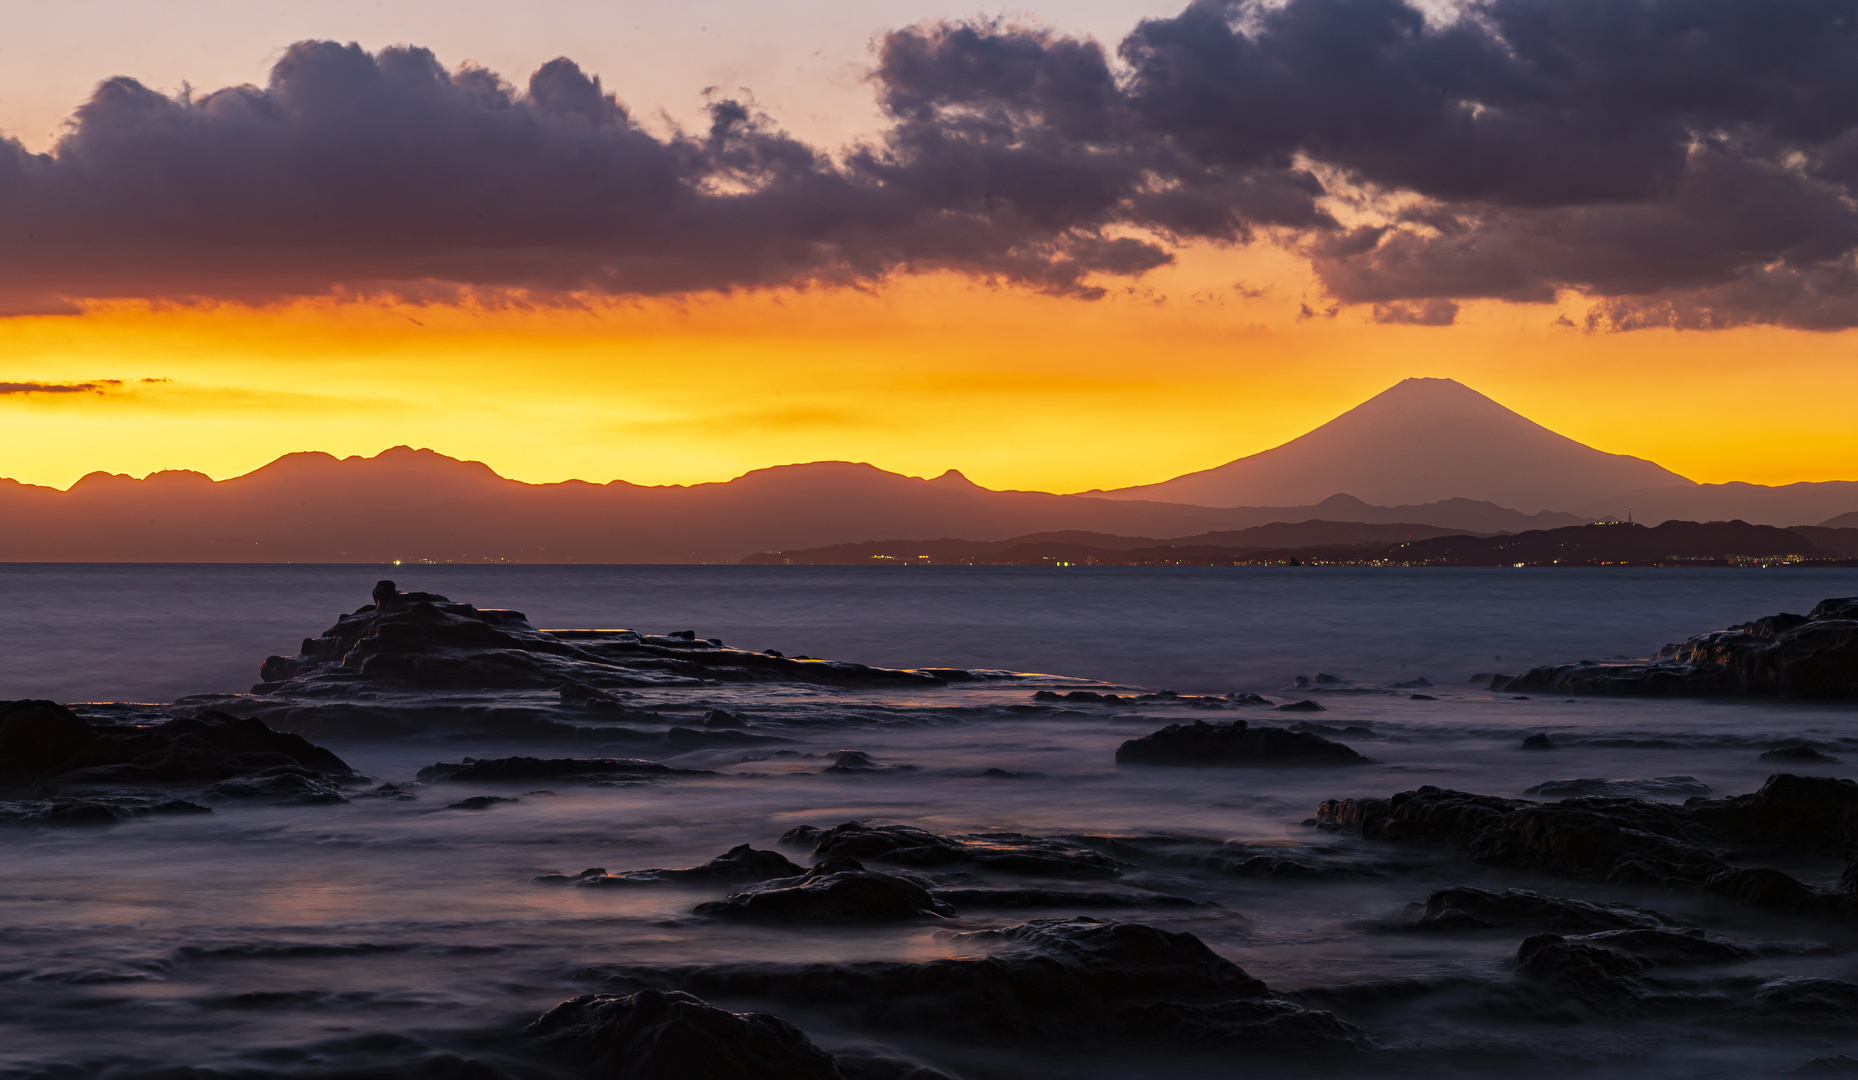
point(1425, 455)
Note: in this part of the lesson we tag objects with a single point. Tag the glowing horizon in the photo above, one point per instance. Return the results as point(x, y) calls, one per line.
point(1071, 273)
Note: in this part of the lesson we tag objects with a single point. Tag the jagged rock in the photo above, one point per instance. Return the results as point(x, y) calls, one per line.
point(1465, 907)
point(659, 1035)
point(836, 890)
point(281, 785)
point(1235, 743)
point(1807, 815)
point(1306, 705)
point(1611, 964)
point(423, 641)
point(1628, 840)
point(1538, 741)
point(524, 769)
point(904, 845)
point(42, 741)
point(741, 863)
point(1812, 656)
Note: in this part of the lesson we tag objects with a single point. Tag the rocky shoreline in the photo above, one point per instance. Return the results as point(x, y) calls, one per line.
point(848, 943)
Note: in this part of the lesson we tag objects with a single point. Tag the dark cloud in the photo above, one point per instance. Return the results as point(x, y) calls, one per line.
point(98, 386)
point(1692, 163)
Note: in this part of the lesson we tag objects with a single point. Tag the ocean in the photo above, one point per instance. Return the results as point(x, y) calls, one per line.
point(332, 940)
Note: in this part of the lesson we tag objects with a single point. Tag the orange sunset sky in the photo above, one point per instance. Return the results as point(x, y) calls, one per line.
point(919, 365)
point(1015, 389)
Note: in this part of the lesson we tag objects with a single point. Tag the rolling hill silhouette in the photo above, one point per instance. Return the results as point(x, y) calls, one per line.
point(1422, 441)
point(1428, 452)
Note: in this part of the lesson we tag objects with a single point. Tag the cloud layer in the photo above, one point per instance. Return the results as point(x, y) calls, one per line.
point(1689, 163)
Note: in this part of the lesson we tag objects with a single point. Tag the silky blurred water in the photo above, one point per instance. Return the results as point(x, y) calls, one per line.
point(348, 937)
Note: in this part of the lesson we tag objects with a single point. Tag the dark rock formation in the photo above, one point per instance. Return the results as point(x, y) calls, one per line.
point(44, 742)
point(1812, 656)
point(1799, 755)
point(1467, 908)
point(1632, 840)
point(857, 761)
point(1538, 742)
point(525, 769)
point(1306, 705)
point(904, 845)
point(741, 863)
point(1236, 743)
point(1656, 787)
point(1047, 980)
point(480, 802)
point(1611, 964)
point(422, 641)
point(655, 1035)
point(836, 890)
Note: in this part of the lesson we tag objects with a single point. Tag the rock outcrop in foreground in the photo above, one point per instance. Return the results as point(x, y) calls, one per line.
point(1048, 980)
point(42, 742)
point(1803, 657)
point(58, 768)
point(1633, 841)
point(423, 641)
point(654, 1035)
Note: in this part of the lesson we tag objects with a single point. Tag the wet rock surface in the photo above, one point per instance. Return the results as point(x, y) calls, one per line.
point(1234, 743)
point(741, 863)
point(524, 769)
point(658, 1035)
point(1633, 841)
point(1803, 657)
point(44, 742)
point(905, 845)
point(836, 889)
point(1046, 980)
point(423, 640)
point(1470, 908)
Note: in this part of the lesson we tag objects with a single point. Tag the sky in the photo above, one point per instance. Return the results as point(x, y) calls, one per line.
point(1089, 245)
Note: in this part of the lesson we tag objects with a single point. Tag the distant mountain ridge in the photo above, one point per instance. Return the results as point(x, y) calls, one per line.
point(417, 504)
point(1439, 455)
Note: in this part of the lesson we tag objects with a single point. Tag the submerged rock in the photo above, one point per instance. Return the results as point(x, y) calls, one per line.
point(836, 890)
point(1812, 656)
point(1468, 908)
point(660, 1035)
point(1800, 755)
point(741, 863)
point(905, 845)
point(523, 769)
point(1235, 743)
point(44, 742)
point(1656, 787)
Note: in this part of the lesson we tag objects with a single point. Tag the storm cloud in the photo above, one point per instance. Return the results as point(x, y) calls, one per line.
point(1686, 164)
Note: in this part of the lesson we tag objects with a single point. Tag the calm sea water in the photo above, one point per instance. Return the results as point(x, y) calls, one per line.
point(363, 935)
point(153, 633)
